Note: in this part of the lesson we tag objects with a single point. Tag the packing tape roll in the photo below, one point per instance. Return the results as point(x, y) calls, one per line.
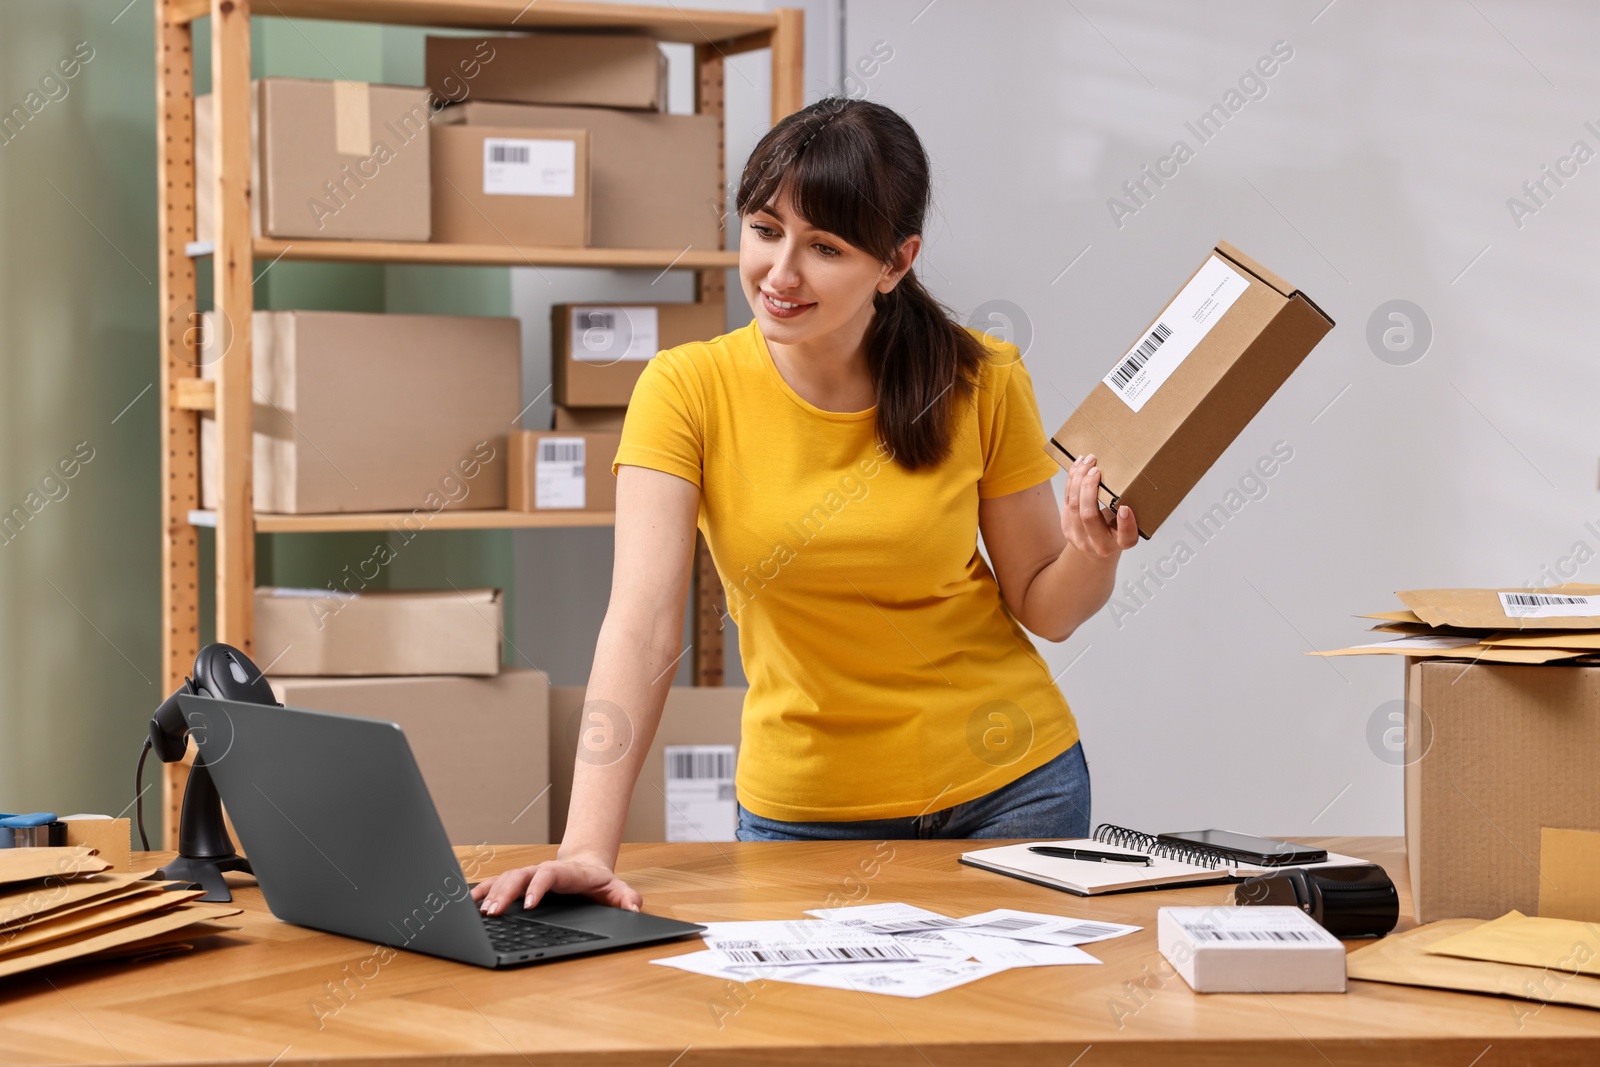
point(352, 119)
point(47, 835)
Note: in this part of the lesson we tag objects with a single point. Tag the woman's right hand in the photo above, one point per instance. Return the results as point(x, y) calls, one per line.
point(588, 877)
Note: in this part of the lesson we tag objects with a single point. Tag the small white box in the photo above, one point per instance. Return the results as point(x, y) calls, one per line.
point(1250, 949)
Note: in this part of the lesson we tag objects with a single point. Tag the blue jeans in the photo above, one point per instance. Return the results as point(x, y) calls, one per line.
point(1051, 801)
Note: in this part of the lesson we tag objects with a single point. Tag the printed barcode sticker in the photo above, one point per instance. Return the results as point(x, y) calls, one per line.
point(754, 952)
point(606, 335)
point(1088, 929)
point(1548, 605)
point(684, 761)
point(529, 167)
point(1182, 326)
point(699, 792)
point(1259, 926)
point(1015, 923)
point(558, 473)
point(1211, 933)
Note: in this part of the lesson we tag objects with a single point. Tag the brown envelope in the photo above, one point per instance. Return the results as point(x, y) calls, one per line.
point(1403, 959)
point(1480, 608)
point(1562, 945)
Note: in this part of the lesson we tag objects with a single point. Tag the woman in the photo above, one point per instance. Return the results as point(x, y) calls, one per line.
point(842, 453)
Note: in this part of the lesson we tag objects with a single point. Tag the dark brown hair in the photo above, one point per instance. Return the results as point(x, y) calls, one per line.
point(858, 170)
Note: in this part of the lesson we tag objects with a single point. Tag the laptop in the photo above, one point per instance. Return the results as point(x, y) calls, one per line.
point(343, 837)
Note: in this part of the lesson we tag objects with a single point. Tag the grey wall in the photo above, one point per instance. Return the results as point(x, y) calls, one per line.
point(1377, 167)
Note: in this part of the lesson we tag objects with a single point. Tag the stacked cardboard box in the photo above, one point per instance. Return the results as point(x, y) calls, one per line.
point(482, 744)
point(597, 166)
point(358, 412)
point(1497, 733)
point(329, 160)
point(652, 179)
point(598, 353)
point(653, 175)
point(685, 786)
point(562, 470)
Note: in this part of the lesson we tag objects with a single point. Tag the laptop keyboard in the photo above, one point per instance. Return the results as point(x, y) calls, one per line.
point(507, 934)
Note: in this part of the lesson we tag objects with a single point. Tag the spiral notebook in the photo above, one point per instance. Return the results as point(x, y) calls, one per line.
point(1171, 865)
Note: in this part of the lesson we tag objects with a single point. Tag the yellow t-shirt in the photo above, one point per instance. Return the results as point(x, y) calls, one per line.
point(887, 677)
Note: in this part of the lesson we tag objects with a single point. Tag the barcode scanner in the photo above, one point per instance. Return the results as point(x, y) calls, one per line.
point(1349, 900)
point(205, 850)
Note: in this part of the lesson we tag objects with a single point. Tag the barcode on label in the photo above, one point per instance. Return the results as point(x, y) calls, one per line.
point(817, 953)
point(508, 153)
point(596, 320)
point(1211, 933)
point(1011, 923)
point(560, 452)
point(1087, 929)
point(1548, 605)
point(702, 763)
point(908, 926)
point(1141, 355)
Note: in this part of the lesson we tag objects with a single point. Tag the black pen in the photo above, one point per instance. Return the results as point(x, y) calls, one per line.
point(1132, 859)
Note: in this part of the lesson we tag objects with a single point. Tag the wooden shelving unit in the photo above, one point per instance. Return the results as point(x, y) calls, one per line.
point(715, 35)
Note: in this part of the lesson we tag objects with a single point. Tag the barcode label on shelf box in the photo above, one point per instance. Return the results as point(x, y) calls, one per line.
point(1182, 326)
point(1548, 605)
point(606, 335)
point(558, 480)
point(699, 790)
point(529, 167)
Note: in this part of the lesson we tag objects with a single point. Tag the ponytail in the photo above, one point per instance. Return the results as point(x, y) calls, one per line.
point(925, 368)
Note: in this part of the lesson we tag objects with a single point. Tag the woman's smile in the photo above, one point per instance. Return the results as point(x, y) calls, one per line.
point(783, 309)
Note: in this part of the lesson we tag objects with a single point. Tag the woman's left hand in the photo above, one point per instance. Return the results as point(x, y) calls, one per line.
point(1089, 528)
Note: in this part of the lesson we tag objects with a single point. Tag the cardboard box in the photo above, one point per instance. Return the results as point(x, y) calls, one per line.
point(589, 418)
point(111, 838)
point(339, 632)
point(1254, 949)
point(565, 470)
point(1494, 753)
point(329, 160)
point(591, 69)
point(653, 179)
point(1197, 375)
point(598, 351)
point(496, 185)
point(482, 744)
point(357, 412)
point(692, 758)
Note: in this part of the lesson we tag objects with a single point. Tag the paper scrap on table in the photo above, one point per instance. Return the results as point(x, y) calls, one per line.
point(893, 948)
point(1048, 929)
point(900, 980)
point(887, 918)
point(988, 949)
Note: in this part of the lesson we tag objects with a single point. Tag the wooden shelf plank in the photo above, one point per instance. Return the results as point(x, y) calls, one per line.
point(666, 23)
point(270, 248)
point(195, 394)
point(338, 522)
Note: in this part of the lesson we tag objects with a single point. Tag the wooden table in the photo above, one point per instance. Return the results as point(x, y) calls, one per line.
point(275, 993)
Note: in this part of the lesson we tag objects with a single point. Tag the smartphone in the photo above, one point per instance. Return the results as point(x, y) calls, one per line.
point(1261, 851)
